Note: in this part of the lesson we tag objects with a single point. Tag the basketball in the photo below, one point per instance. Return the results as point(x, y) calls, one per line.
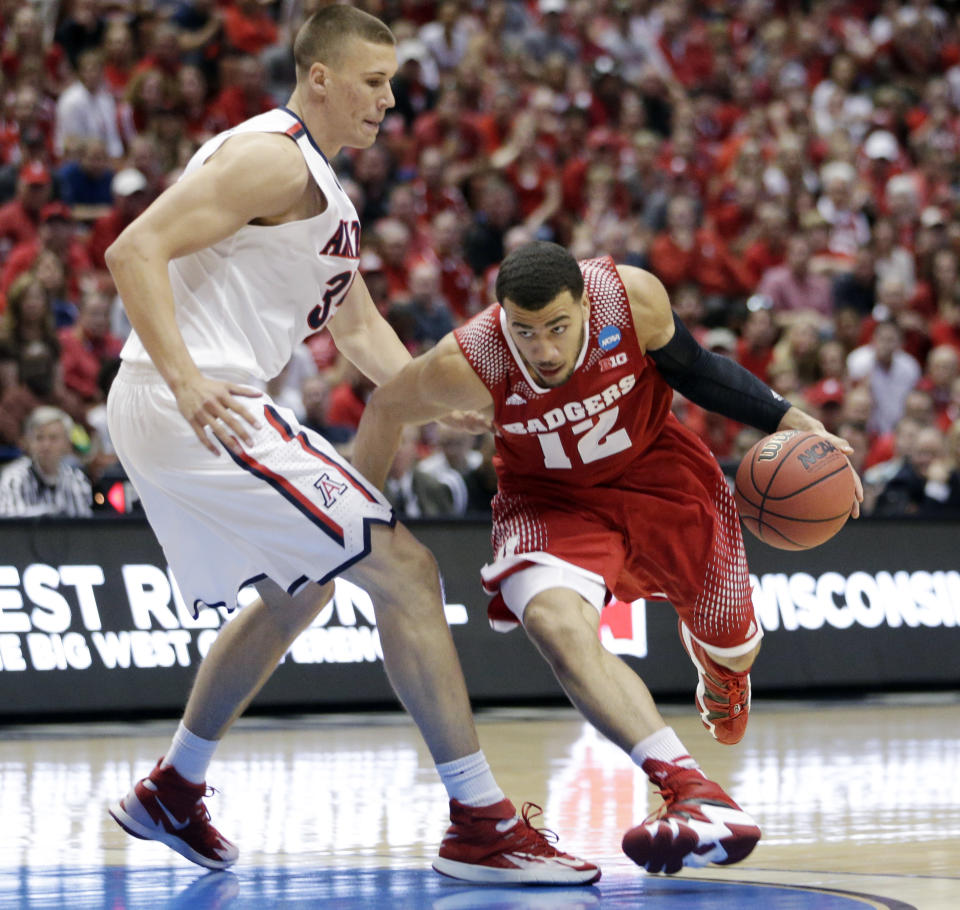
point(794, 490)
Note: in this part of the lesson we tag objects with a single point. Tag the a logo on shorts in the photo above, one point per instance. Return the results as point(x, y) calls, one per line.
point(608, 337)
point(331, 490)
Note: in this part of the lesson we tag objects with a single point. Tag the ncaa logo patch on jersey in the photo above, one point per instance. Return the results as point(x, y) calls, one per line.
point(608, 337)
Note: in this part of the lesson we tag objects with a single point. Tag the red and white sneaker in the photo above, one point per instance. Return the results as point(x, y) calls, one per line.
point(494, 845)
point(723, 696)
point(697, 824)
point(166, 807)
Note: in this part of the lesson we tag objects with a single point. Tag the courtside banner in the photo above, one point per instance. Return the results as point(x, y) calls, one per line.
point(92, 622)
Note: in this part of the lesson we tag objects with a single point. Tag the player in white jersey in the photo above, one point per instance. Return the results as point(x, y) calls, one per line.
point(255, 248)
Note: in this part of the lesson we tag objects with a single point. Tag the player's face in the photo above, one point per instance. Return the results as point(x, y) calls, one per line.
point(549, 340)
point(359, 91)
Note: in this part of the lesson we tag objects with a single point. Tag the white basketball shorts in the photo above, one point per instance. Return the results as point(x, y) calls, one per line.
point(289, 508)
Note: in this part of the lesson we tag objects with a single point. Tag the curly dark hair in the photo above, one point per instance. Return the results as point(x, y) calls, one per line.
point(535, 273)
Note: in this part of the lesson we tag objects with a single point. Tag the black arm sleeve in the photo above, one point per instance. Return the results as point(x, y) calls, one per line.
point(717, 383)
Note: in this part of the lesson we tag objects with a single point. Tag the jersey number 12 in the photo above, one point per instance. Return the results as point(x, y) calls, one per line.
point(596, 442)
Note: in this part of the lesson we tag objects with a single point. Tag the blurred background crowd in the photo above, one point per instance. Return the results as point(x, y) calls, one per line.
point(789, 170)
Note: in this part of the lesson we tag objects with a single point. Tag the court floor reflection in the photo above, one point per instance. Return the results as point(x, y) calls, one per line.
point(861, 798)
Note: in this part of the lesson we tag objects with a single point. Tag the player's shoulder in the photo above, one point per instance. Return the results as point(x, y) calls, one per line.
point(258, 153)
point(641, 286)
point(649, 302)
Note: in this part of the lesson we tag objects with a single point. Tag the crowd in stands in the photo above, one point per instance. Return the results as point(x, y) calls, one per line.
point(789, 170)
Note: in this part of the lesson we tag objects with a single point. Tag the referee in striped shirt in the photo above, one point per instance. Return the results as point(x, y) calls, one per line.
point(45, 481)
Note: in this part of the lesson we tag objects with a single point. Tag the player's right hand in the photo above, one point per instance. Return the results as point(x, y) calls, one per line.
point(210, 407)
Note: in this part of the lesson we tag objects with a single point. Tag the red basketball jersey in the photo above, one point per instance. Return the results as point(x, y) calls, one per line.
point(587, 431)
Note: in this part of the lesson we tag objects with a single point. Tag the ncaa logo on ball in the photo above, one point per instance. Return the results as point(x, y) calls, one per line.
point(817, 451)
point(608, 337)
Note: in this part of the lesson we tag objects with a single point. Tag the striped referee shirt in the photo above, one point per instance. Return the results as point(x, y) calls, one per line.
point(24, 493)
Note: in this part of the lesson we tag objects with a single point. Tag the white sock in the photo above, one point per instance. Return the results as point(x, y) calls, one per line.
point(190, 755)
point(664, 745)
point(469, 780)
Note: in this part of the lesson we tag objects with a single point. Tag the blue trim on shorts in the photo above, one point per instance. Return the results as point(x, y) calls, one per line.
point(366, 546)
point(222, 603)
point(286, 494)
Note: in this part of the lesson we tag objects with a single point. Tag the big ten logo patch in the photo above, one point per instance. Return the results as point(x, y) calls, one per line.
point(615, 360)
point(331, 490)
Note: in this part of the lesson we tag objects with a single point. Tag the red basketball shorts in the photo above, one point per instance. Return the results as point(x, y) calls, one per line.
point(667, 530)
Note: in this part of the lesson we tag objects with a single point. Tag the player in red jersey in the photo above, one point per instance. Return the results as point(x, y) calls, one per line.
point(603, 493)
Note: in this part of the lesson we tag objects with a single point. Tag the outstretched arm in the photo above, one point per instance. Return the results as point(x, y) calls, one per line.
point(429, 387)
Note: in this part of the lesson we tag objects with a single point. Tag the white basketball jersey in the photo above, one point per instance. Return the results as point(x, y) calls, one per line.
point(245, 303)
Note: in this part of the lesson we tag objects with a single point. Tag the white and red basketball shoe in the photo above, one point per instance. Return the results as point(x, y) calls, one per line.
point(167, 808)
point(697, 824)
point(494, 845)
point(723, 696)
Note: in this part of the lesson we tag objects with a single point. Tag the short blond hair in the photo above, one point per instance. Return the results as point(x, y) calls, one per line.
point(324, 35)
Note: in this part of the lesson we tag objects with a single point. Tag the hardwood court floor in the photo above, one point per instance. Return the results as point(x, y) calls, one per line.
point(859, 804)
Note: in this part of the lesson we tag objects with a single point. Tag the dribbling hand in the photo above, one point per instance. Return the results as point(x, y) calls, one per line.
point(209, 404)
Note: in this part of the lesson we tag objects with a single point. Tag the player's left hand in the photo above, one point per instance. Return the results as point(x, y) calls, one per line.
point(795, 419)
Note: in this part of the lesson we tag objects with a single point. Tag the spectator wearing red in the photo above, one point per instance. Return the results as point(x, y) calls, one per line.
point(757, 337)
point(402, 204)
point(393, 241)
point(200, 122)
point(769, 247)
point(119, 55)
point(685, 45)
point(130, 197)
point(434, 192)
point(938, 294)
point(246, 97)
point(941, 371)
point(24, 41)
point(601, 146)
point(20, 218)
point(164, 52)
point(86, 346)
point(349, 398)
point(248, 27)
point(684, 252)
point(450, 128)
point(57, 233)
point(458, 284)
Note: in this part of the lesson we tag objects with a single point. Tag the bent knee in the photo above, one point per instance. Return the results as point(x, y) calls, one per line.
point(560, 623)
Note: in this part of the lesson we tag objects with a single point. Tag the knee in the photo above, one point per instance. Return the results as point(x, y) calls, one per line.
point(560, 632)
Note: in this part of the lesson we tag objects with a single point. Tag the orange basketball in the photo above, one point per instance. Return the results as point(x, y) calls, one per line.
point(794, 490)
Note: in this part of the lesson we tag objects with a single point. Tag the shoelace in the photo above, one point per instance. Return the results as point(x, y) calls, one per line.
point(529, 812)
point(732, 692)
